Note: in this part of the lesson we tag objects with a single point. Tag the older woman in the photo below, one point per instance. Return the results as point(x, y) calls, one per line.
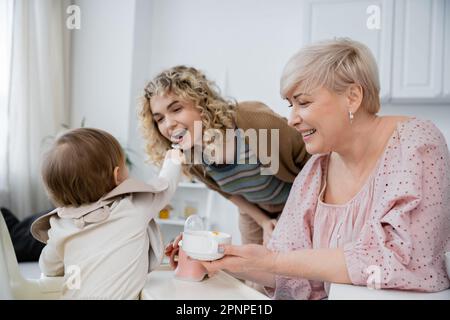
point(182, 107)
point(371, 207)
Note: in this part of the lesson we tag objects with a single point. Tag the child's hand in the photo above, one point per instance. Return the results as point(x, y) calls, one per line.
point(172, 249)
point(267, 227)
point(176, 155)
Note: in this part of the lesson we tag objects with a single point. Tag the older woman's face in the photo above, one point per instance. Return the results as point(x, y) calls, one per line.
point(175, 119)
point(321, 117)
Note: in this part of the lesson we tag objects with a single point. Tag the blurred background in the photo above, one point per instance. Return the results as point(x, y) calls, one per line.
point(64, 63)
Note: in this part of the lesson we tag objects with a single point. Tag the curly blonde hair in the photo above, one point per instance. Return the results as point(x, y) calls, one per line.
point(191, 85)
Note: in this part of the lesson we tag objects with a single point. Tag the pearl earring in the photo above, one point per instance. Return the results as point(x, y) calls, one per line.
point(350, 115)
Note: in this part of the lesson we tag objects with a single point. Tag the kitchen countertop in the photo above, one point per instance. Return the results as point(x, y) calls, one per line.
point(162, 285)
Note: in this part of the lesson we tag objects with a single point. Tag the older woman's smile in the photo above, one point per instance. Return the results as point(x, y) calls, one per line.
point(308, 133)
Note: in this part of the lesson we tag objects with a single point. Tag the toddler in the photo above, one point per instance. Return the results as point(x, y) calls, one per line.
point(102, 237)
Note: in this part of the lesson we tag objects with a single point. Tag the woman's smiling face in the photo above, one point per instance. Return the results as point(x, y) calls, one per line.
point(175, 119)
point(321, 116)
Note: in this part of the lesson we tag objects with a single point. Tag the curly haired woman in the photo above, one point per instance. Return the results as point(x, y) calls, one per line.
point(182, 107)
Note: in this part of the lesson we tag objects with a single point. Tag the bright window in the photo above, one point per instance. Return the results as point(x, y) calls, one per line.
point(6, 7)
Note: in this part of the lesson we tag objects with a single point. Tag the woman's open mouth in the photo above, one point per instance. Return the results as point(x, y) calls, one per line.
point(308, 133)
point(177, 136)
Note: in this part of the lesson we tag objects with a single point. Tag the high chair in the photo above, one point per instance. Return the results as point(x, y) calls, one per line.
point(13, 286)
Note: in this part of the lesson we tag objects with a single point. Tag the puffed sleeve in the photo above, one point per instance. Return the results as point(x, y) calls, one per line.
point(294, 231)
point(50, 260)
point(170, 171)
point(403, 244)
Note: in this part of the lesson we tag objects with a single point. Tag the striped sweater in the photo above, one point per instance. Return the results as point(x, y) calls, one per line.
point(256, 115)
point(243, 177)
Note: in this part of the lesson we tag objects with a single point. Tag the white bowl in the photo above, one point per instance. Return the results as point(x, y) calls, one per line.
point(204, 256)
point(204, 245)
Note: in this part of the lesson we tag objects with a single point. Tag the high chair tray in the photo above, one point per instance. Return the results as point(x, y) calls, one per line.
point(162, 285)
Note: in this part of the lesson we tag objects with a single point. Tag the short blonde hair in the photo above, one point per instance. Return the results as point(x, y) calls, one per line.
point(79, 168)
point(191, 85)
point(335, 65)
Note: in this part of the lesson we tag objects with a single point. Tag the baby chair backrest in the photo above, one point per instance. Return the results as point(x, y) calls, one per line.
point(9, 268)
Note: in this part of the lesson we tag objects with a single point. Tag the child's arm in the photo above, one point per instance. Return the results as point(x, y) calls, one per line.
point(50, 262)
point(171, 171)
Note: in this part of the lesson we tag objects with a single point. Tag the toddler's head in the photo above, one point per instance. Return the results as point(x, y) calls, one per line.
point(83, 165)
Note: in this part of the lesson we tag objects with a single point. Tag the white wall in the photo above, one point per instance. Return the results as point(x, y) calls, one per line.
point(142, 48)
point(102, 52)
point(242, 45)
point(439, 114)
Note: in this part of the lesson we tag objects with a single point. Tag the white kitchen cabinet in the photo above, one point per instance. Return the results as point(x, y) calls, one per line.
point(412, 45)
point(446, 69)
point(418, 57)
point(188, 194)
point(327, 19)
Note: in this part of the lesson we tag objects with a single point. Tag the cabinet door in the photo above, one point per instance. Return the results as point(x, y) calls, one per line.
point(327, 19)
point(418, 61)
point(447, 51)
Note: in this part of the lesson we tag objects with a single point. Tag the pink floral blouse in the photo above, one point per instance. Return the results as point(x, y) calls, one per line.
point(398, 224)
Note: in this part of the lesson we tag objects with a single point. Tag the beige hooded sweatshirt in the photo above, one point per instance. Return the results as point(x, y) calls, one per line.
point(106, 249)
